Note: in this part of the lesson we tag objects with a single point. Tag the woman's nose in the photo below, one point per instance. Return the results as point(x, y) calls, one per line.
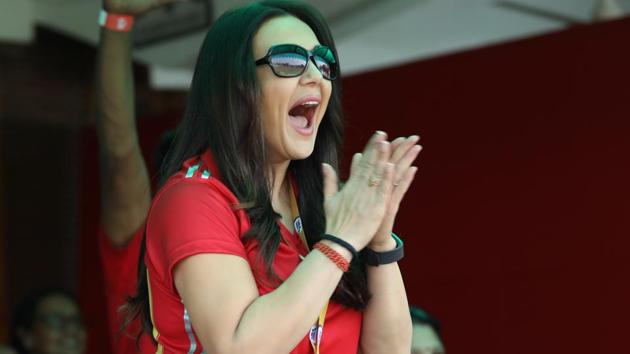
point(311, 74)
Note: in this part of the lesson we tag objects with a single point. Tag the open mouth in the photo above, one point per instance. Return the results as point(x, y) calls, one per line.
point(302, 115)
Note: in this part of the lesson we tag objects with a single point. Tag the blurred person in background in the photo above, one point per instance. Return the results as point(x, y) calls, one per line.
point(125, 183)
point(426, 337)
point(48, 322)
point(6, 350)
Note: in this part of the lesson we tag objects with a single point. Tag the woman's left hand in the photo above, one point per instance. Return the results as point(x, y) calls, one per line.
point(404, 152)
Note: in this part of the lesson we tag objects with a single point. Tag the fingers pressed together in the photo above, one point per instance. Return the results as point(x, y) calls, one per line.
point(379, 156)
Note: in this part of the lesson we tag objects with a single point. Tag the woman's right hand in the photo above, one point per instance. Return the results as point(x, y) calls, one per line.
point(355, 212)
point(134, 7)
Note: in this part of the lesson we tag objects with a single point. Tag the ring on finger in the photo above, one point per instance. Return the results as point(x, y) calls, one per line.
point(373, 182)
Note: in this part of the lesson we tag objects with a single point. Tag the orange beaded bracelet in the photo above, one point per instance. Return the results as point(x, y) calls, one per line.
point(333, 255)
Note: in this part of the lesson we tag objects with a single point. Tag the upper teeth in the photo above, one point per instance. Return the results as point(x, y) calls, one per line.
point(310, 104)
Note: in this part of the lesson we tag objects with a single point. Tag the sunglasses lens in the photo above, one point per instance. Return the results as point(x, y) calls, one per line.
point(324, 67)
point(288, 64)
point(326, 63)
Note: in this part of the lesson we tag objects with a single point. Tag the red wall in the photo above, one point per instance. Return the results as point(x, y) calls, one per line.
point(517, 227)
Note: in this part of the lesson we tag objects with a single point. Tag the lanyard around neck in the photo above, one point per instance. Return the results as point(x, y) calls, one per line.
point(315, 334)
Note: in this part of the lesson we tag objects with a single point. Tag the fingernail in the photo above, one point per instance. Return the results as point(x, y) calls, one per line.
point(380, 132)
point(414, 137)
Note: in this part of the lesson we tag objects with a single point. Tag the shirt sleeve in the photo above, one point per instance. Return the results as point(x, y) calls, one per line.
point(190, 218)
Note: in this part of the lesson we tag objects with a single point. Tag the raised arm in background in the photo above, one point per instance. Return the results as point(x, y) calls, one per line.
point(125, 185)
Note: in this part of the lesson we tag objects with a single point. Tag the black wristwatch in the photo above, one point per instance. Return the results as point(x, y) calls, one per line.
point(373, 258)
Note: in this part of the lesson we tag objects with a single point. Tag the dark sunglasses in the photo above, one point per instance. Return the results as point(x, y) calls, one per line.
point(291, 60)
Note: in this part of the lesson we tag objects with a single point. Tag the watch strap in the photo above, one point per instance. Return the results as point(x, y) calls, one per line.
point(373, 258)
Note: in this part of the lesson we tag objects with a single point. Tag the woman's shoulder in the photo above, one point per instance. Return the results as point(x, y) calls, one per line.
point(189, 204)
point(187, 195)
point(195, 182)
point(195, 196)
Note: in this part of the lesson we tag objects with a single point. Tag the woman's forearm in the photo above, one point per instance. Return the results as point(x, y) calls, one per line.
point(275, 322)
point(293, 307)
point(386, 321)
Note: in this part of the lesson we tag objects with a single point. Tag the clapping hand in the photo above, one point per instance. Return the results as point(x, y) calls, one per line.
point(403, 153)
point(355, 212)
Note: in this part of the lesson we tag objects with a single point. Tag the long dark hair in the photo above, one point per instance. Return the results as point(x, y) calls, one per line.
point(222, 114)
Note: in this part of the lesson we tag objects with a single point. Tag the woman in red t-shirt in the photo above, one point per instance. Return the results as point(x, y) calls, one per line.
point(250, 237)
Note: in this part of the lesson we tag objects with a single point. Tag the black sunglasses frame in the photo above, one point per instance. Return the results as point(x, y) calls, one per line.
point(308, 54)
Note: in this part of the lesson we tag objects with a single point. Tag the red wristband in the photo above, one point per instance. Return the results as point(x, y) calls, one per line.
point(333, 255)
point(115, 22)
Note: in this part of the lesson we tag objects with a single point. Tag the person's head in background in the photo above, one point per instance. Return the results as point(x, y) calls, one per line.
point(6, 350)
point(48, 322)
point(426, 337)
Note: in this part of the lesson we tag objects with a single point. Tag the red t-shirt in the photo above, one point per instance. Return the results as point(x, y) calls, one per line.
point(192, 214)
point(120, 268)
